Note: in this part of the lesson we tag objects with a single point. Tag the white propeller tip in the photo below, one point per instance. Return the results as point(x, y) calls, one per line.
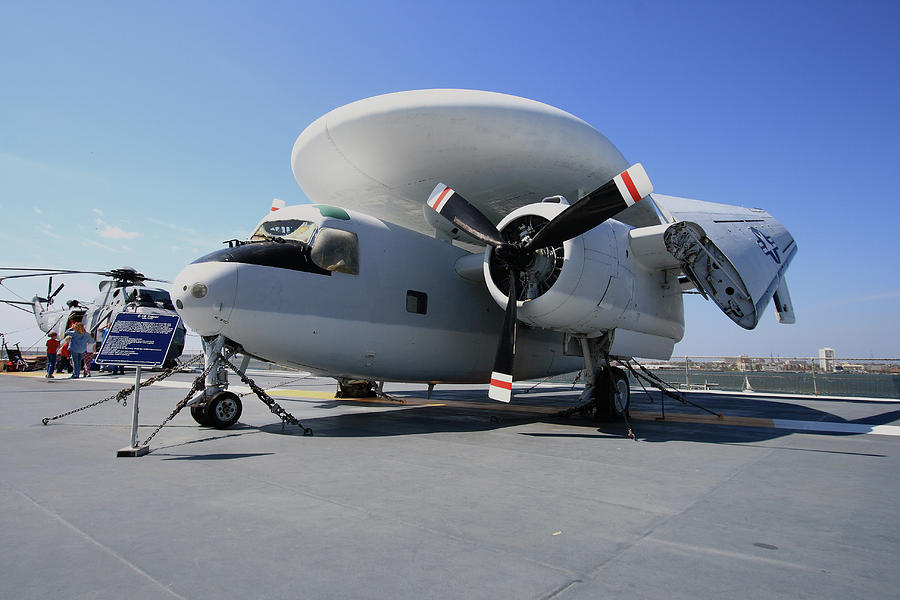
point(439, 196)
point(501, 387)
point(633, 183)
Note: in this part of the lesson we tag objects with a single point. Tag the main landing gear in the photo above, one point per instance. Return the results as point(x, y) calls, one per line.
point(356, 388)
point(607, 393)
point(611, 393)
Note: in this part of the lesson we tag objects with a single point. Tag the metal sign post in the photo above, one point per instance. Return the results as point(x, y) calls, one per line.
point(138, 451)
point(138, 340)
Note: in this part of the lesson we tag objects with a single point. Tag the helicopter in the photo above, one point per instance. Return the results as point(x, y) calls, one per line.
point(122, 290)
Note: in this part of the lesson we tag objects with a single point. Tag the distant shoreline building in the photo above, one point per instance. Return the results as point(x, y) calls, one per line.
point(826, 359)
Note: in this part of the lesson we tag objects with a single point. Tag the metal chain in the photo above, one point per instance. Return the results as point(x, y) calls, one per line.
point(122, 395)
point(277, 385)
point(119, 396)
point(199, 384)
point(276, 408)
point(661, 386)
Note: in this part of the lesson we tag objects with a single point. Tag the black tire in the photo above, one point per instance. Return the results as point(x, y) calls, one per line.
point(621, 399)
point(611, 394)
point(198, 411)
point(224, 410)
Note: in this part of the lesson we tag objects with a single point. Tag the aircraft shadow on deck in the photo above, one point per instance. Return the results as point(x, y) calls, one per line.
point(417, 420)
point(218, 456)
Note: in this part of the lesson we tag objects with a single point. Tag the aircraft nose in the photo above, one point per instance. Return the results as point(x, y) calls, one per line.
point(204, 295)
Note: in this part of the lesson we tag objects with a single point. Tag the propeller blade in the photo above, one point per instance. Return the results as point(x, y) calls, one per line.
point(456, 209)
point(606, 201)
point(58, 290)
point(501, 377)
point(50, 287)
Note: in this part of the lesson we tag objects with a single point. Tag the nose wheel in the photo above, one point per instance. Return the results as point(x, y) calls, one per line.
point(198, 411)
point(222, 411)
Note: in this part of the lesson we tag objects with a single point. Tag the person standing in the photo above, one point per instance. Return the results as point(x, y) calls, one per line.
point(63, 361)
point(78, 346)
point(87, 358)
point(52, 349)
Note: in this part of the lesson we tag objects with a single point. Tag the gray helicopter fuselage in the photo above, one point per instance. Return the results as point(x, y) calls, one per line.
point(114, 297)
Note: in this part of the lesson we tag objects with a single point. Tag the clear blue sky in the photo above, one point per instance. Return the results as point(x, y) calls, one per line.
point(144, 134)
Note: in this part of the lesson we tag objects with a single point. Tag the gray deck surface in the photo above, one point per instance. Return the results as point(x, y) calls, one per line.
point(470, 499)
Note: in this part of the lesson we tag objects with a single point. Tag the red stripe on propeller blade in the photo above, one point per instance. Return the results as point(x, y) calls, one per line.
point(630, 185)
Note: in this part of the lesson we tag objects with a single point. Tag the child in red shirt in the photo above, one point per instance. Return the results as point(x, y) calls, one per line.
point(64, 354)
point(52, 347)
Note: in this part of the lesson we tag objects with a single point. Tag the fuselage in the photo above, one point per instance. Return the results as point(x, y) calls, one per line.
point(348, 295)
point(400, 313)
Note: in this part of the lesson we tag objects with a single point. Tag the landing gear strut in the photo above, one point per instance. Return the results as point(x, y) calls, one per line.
point(607, 395)
point(217, 407)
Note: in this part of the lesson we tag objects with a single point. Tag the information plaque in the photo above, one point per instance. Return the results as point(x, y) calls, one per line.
point(138, 340)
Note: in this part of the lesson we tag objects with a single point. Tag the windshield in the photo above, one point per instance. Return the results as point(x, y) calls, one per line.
point(150, 297)
point(289, 229)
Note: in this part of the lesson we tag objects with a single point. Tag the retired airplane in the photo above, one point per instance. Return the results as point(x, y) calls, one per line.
point(473, 237)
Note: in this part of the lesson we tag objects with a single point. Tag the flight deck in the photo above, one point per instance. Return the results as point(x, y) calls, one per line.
point(452, 496)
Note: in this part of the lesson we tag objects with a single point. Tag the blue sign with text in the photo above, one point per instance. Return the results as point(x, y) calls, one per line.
point(138, 340)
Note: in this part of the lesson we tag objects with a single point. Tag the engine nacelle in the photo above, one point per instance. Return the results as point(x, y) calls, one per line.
point(590, 285)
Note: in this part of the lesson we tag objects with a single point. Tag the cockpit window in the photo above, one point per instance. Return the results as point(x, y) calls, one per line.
point(150, 297)
point(336, 250)
point(288, 229)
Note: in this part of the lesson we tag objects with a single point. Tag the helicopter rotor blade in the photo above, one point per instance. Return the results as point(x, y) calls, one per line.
point(128, 275)
point(45, 271)
point(57, 291)
point(39, 272)
point(16, 304)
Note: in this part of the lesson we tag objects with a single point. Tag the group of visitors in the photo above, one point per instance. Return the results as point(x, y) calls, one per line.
point(75, 354)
